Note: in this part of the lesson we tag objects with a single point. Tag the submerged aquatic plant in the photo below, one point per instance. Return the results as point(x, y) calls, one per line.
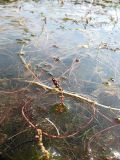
point(63, 124)
point(38, 137)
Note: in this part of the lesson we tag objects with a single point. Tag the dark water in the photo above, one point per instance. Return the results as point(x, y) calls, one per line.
point(75, 42)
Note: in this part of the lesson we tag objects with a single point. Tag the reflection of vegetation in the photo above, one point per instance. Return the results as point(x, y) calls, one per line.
point(7, 1)
point(103, 3)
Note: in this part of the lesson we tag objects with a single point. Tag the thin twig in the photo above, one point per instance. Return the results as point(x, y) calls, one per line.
point(53, 125)
point(25, 130)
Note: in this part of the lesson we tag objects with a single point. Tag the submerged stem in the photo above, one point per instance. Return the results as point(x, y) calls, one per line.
point(75, 95)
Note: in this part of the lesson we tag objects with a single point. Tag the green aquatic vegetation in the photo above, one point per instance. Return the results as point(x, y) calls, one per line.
point(106, 83)
point(66, 19)
point(23, 41)
point(59, 108)
point(26, 30)
point(111, 79)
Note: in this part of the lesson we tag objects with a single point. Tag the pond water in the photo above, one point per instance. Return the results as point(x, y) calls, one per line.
point(77, 43)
